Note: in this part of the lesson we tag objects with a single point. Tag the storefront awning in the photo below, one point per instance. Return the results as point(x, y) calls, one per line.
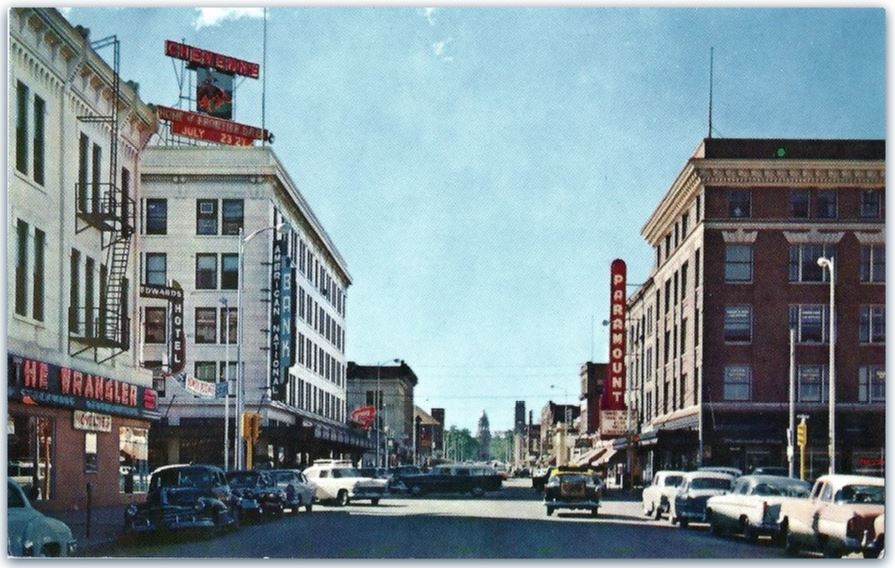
point(586, 457)
point(603, 458)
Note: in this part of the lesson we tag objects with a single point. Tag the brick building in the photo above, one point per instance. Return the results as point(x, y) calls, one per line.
point(736, 241)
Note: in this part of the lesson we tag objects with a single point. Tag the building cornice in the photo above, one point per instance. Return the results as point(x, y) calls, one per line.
point(813, 237)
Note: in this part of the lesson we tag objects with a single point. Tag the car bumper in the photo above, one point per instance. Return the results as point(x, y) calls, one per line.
point(248, 505)
point(368, 493)
point(177, 522)
point(562, 504)
point(691, 515)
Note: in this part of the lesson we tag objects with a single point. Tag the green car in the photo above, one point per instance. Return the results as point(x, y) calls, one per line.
point(30, 532)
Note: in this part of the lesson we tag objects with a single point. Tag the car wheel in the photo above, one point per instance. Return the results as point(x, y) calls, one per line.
point(375, 501)
point(658, 511)
point(749, 532)
point(477, 492)
point(790, 546)
point(648, 512)
point(873, 554)
point(714, 524)
point(830, 551)
point(549, 511)
point(296, 507)
point(416, 490)
point(594, 512)
point(683, 522)
point(342, 498)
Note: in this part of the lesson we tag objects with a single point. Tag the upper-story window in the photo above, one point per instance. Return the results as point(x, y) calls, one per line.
point(738, 324)
point(873, 263)
point(738, 382)
point(206, 216)
point(667, 246)
point(685, 225)
point(684, 268)
point(739, 203)
point(872, 326)
point(870, 204)
point(799, 203)
point(232, 211)
point(813, 383)
point(156, 216)
point(738, 263)
point(803, 265)
point(698, 208)
point(229, 271)
point(156, 268)
point(154, 325)
point(827, 206)
point(872, 384)
point(810, 322)
point(206, 271)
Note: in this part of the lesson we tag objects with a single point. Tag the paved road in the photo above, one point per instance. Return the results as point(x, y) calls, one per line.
point(511, 523)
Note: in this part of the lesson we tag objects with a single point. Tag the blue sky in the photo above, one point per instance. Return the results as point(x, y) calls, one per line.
point(480, 168)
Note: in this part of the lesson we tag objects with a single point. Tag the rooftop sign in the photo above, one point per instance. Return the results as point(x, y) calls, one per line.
point(198, 57)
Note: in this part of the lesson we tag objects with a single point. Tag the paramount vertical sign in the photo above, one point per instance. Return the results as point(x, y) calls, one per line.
point(281, 304)
point(612, 404)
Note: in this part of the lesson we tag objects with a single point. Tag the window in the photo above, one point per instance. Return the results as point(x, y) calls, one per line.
point(872, 327)
point(873, 263)
point(156, 268)
point(738, 324)
point(231, 326)
point(683, 336)
point(813, 383)
point(22, 268)
point(826, 205)
point(206, 216)
point(158, 380)
point(156, 216)
point(89, 267)
point(133, 459)
point(83, 152)
point(206, 271)
point(39, 110)
point(90, 461)
point(738, 382)
point(667, 295)
point(872, 384)
point(21, 127)
point(207, 371)
point(739, 203)
point(685, 224)
point(154, 325)
point(206, 325)
point(38, 284)
point(696, 329)
point(870, 204)
point(96, 176)
point(30, 452)
point(232, 210)
point(803, 265)
point(810, 322)
point(74, 292)
point(799, 203)
point(227, 371)
point(229, 271)
point(684, 268)
point(738, 263)
point(698, 208)
point(667, 246)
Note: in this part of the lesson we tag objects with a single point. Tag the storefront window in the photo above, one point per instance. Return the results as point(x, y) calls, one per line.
point(133, 459)
point(30, 451)
point(90, 452)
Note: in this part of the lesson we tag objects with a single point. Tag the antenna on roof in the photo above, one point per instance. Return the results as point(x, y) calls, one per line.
point(264, 77)
point(711, 82)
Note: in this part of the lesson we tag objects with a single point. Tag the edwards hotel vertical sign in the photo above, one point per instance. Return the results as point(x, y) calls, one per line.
point(79, 405)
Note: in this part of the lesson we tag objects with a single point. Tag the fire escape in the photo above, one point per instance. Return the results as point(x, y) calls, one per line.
point(106, 206)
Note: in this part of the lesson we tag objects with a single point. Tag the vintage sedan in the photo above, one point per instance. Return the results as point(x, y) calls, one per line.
point(753, 507)
point(657, 496)
point(539, 478)
point(184, 497)
point(835, 516)
point(688, 504)
point(297, 490)
point(455, 478)
point(337, 480)
point(256, 491)
point(873, 543)
point(31, 533)
point(573, 488)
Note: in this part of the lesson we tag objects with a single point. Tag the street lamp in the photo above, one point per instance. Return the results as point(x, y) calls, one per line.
point(379, 420)
point(827, 263)
point(227, 382)
point(240, 371)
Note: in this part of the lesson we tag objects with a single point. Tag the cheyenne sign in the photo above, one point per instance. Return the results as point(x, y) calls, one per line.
point(213, 129)
point(198, 57)
point(612, 404)
point(44, 383)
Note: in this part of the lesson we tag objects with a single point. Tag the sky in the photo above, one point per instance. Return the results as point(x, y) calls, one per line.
point(480, 168)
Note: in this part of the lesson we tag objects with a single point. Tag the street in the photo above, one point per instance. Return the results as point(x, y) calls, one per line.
point(510, 523)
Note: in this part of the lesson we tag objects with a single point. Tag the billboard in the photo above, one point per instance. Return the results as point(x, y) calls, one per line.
point(214, 93)
point(198, 57)
point(612, 403)
point(205, 127)
point(364, 415)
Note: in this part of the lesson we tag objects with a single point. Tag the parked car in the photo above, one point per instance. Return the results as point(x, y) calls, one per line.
point(396, 477)
point(835, 516)
point(521, 472)
point(539, 478)
point(573, 488)
point(657, 496)
point(31, 533)
point(256, 492)
point(770, 470)
point(337, 480)
point(732, 471)
point(753, 507)
point(455, 478)
point(298, 491)
point(183, 497)
point(873, 543)
point(689, 502)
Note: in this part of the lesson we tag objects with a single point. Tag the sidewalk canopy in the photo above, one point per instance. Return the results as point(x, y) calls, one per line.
point(604, 458)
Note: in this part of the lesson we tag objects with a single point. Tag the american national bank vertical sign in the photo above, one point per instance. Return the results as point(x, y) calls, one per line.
point(282, 301)
point(612, 404)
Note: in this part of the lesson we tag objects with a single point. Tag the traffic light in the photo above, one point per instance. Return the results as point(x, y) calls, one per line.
point(251, 426)
point(802, 434)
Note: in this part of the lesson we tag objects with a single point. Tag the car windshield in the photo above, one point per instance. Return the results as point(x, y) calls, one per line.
point(346, 472)
point(241, 479)
point(709, 483)
point(782, 488)
point(574, 478)
point(15, 500)
point(674, 480)
point(869, 494)
point(184, 477)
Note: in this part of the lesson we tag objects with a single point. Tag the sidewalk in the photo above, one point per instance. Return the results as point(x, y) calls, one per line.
point(106, 525)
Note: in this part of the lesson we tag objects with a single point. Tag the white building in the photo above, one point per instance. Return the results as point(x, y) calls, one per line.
point(195, 201)
point(80, 406)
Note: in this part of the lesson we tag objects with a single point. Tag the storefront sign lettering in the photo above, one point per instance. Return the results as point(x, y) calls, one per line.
point(612, 403)
point(281, 303)
point(92, 422)
point(199, 57)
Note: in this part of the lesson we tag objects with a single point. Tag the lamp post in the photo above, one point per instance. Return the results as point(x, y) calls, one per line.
point(379, 420)
point(240, 371)
point(227, 381)
point(827, 263)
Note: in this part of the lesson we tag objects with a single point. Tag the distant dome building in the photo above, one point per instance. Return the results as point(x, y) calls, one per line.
point(484, 437)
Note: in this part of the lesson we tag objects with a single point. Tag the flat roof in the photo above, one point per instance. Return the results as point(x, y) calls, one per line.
point(791, 149)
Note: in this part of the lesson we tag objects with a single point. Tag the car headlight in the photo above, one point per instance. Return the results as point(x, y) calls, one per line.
point(130, 510)
point(28, 548)
point(72, 547)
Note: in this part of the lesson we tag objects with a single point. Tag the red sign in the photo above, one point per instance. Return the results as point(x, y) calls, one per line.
point(364, 415)
point(199, 57)
point(614, 388)
point(204, 127)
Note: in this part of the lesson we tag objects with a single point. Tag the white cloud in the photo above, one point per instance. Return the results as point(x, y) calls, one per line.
point(439, 47)
point(210, 17)
point(64, 11)
point(429, 13)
